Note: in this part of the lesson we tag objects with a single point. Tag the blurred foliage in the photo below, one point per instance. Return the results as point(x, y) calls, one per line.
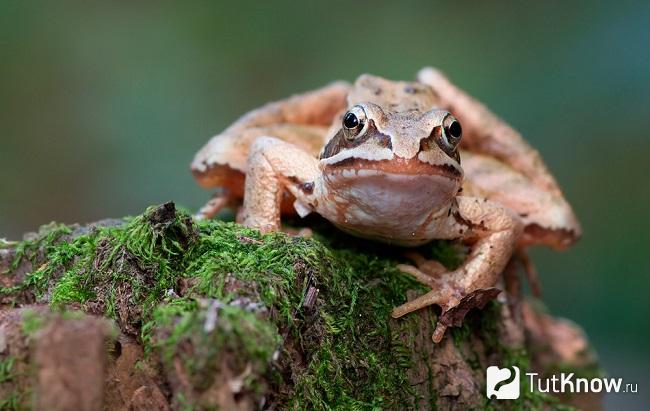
point(102, 106)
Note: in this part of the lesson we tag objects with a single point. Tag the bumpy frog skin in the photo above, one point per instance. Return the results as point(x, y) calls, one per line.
point(390, 170)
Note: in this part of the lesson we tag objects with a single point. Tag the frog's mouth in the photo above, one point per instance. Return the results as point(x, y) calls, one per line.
point(355, 167)
point(407, 189)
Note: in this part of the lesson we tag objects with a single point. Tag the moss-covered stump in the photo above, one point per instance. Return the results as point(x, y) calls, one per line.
point(163, 312)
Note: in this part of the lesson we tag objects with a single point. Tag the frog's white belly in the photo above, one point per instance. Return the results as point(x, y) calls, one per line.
point(386, 207)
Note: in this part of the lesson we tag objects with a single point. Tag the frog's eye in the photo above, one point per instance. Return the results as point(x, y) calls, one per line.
point(452, 130)
point(354, 123)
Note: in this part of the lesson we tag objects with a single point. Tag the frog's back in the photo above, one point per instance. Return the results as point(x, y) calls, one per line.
point(398, 96)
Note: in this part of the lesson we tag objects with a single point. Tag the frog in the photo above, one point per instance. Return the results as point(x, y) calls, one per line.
point(381, 160)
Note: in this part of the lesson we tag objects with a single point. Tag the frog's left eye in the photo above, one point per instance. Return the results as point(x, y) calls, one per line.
point(453, 132)
point(354, 123)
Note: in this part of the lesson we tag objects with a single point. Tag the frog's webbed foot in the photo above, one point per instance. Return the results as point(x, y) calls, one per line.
point(445, 292)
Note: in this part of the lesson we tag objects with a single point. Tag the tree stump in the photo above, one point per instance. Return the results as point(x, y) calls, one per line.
point(161, 312)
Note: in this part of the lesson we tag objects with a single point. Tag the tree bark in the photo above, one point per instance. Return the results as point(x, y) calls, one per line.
point(88, 355)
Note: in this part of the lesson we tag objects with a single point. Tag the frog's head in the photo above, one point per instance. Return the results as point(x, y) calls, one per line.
point(390, 151)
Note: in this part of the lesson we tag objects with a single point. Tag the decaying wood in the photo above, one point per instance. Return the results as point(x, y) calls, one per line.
point(88, 362)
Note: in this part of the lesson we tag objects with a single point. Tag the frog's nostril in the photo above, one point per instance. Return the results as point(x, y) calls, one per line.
point(428, 144)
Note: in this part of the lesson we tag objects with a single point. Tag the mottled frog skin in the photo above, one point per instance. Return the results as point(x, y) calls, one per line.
point(381, 160)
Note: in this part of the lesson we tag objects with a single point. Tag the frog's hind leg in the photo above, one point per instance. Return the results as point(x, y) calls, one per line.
point(507, 167)
point(230, 184)
point(426, 271)
point(216, 203)
point(548, 218)
point(229, 162)
point(302, 120)
point(531, 272)
point(484, 132)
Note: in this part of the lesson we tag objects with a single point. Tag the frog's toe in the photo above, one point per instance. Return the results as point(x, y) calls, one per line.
point(420, 276)
point(435, 296)
point(217, 202)
point(440, 296)
point(431, 274)
point(454, 306)
point(305, 232)
point(431, 267)
point(453, 315)
point(426, 272)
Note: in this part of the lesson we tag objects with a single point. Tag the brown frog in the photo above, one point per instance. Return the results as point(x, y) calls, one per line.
point(390, 170)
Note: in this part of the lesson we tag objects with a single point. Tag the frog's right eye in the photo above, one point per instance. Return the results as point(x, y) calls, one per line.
point(452, 131)
point(354, 123)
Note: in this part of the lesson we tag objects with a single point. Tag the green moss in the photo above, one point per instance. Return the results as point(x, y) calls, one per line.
point(6, 369)
point(160, 274)
point(46, 239)
point(355, 361)
point(32, 322)
point(184, 335)
point(171, 314)
point(74, 258)
point(11, 403)
point(11, 399)
point(352, 362)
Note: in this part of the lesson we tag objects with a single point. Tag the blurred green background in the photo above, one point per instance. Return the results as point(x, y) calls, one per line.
point(102, 107)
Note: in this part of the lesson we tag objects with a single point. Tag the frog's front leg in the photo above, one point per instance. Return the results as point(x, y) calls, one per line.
point(493, 232)
point(273, 167)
